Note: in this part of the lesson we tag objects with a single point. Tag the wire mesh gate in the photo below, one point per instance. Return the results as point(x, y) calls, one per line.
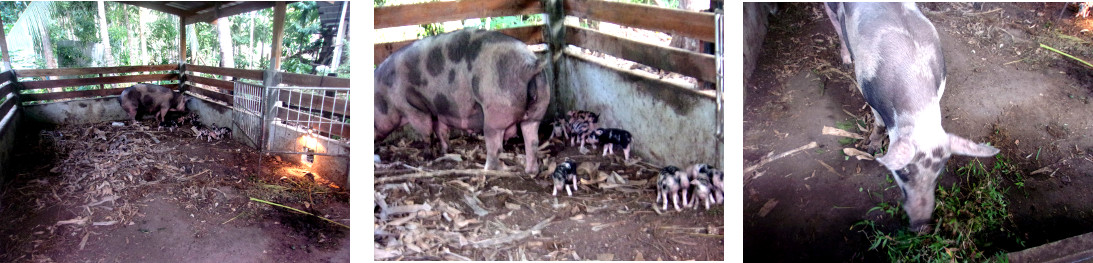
point(247, 102)
point(308, 112)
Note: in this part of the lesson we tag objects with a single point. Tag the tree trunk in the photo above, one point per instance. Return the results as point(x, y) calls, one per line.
point(194, 44)
point(142, 37)
point(47, 47)
point(253, 47)
point(227, 57)
point(129, 36)
point(108, 54)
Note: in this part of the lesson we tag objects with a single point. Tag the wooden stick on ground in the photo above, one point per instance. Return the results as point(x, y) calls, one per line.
point(514, 237)
point(445, 173)
point(766, 160)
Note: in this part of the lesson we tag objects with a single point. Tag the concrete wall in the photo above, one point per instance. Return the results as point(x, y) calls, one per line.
point(79, 111)
point(333, 168)
point(280, 138)
point(671, 124)
point(755, 30)
point(7, 141)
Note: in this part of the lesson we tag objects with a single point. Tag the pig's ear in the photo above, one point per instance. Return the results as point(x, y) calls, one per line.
point(959, 145)
point(900, 153)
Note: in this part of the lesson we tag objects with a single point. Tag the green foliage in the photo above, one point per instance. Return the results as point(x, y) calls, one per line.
point(514, 21)
point(9, 12)
point(968, 220)
point(847, 126)
point(431, 30)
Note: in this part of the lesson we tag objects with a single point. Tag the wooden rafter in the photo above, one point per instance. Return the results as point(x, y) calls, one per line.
point(158, 6)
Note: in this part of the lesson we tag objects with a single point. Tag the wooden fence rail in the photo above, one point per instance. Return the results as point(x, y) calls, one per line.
point(688, 63)
point(44, 84)
point(531, 35)
point(416, 14)
point(7, 76)
point(234, 72)
point(86, 71)
point(698, 25)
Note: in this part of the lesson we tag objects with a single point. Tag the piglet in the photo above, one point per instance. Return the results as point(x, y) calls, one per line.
point(703, 190)
point(565, 174)
point(668, 185)
point(611, 137)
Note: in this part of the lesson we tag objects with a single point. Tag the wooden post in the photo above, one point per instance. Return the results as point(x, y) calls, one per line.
point(554, 35)
point(182, 40)
point(278, 35)
point(5, 64)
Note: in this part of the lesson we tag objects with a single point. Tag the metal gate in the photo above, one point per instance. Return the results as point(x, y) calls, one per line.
point(309, 111)
point(247, 102)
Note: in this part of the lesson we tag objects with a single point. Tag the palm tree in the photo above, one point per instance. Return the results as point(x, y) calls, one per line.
point(33, 22)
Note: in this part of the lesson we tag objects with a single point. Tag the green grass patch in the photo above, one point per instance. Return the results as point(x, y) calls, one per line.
point(968, 220)
point(849, 126)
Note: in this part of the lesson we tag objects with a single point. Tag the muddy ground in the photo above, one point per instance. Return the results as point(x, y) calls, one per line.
point(1002, 88)
point(511, 216)
point(100, 193)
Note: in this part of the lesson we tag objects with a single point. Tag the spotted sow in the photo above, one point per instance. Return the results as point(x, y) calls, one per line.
point(479, 81)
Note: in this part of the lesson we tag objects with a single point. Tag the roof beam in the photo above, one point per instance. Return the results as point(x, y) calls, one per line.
point(213, 13)
point(158, 6)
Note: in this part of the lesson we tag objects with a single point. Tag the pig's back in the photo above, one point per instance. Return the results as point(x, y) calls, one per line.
point(897, 57)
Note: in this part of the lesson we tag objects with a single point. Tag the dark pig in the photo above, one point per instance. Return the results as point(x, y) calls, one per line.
point(610, 137)
point(480, 81)
point(150, 98)
point(900, 69)
point(565, 174)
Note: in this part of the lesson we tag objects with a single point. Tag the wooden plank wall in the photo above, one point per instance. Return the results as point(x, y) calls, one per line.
point(88, 81)
point(7, 87)
point(699, 25)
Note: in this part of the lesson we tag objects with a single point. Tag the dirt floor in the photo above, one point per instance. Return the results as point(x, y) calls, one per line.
point(462, 213)
point(102, 193)
point(1002, 88)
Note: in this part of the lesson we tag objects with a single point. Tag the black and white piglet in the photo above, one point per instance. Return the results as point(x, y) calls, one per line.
point(565, 174)
point(610, 137)
point(668, 185)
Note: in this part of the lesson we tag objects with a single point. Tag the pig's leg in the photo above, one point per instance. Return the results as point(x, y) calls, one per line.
point(876, 139)
point(843, 51)
point(423, 124)
point(442, 134)
point(132, 111)
point(605, 148)
point(531, 146)
point(676, 199)
point(626, 152)
point(493, 147)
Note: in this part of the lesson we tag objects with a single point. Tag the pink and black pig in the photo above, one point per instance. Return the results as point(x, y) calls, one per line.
point(149, 98)
point(900, 70)
point(610, 137)
point(479, 81)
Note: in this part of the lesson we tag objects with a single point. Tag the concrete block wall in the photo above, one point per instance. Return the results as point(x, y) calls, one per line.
point(671, 124)
point(7, 141)
point(80, 111)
